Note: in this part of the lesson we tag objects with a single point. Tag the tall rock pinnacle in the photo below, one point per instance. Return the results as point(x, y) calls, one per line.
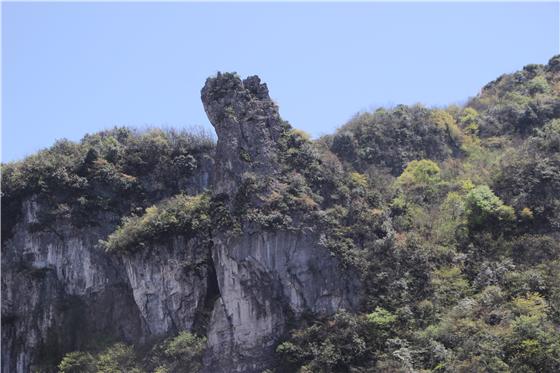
point(248, 127)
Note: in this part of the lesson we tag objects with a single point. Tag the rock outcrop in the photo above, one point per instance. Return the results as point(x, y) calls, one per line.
point(265, 278)
point(169, 283)
point(248, 126)
point(62, 291)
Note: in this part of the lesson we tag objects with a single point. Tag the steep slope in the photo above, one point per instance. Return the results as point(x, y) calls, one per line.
point(170, 268)
point(61, 290)
point(265, 278)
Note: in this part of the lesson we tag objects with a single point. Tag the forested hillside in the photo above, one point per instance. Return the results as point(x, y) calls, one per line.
point(411, 239)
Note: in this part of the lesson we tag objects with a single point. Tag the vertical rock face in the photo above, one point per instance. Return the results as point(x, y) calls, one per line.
point(60, 292)
point(169, 284)
point(265, 278)
point(248, 127)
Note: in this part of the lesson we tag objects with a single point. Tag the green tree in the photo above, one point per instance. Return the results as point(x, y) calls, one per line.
point(181, 214)
point(182, 353)
point(118, 358)
point(469, 121)
point(485, 209)
point(77, 362)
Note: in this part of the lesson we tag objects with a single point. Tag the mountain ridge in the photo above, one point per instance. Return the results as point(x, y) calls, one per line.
point(381, 247)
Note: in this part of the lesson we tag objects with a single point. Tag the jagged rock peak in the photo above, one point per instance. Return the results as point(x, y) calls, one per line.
point(248, 126)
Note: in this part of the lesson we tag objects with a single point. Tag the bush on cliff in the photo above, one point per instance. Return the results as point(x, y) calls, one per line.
point(485, 210)
point(529, 179)
point(115, 358)
point(182, 215)
point(182, 353)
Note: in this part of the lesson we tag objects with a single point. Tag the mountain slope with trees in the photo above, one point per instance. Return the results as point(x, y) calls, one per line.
point(411, 239)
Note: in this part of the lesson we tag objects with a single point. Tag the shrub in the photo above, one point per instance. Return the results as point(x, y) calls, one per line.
point(530, 178)
point(420, 181)
point(359, 180)
point(533, 249)
point(517, 103)
point(422, 172)
point(297, 150)
point(538, 85)
point(182, 214)
point(450, 217)
point(117, 358)
point(469, 121)
point(450, 285)
point(533, 346)
point(329, 346)
point(485, 209)
point(111, 171)
point(77, 362)
point(182, 353)
point(531, 304)
point(343, 144)
point(445, 120)
point(381, 317)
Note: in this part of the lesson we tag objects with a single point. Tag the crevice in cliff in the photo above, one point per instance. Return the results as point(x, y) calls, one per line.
point(202, 318)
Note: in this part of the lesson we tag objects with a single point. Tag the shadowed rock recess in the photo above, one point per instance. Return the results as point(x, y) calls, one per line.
point(238, 287)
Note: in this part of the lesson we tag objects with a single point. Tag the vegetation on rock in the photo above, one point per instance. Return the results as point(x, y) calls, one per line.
point(181, 215)
point(449, 216)
point(182, 353)
point(113, 172)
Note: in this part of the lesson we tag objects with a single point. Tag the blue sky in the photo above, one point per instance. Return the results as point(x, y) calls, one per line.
point(75, 68)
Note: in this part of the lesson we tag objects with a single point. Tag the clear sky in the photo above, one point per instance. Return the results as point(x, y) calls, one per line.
point(75, 68)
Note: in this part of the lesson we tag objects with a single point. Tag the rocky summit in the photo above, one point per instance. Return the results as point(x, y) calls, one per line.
point(248, 127)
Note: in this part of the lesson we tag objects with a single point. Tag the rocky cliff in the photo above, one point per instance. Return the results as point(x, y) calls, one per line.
point(62, 291)
point(59, 292)
point(265, 278)
point(412, 239)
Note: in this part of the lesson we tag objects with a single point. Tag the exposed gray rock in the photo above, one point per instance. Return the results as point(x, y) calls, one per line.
point(61, 290)
point(264, 277)
point(169, 283)
point(248, 127)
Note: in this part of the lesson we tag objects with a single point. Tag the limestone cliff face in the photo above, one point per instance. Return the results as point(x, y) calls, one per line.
point(59, 291)
point(62, 292)
point(169, 284)
point(265, 278)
